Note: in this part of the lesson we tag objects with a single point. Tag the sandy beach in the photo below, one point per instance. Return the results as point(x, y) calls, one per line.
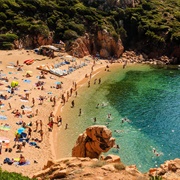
point(41, 141)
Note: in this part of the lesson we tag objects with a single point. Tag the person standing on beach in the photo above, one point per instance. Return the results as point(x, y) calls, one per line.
point(75, 86)
point(66, 126)
point(94, 119)
point(125, 64)
point(36, 112)
point(40, 122)
point(9, 106)
point(33, 101)
point(89, 84)
point(75, 93)
point(36, 125)
point(59, 121)
point(95, 81)
point(54, 101)
point(29, 132)
point(67, 96)
point(41, 134)
point(99, 80)
point(80, 112)
point(72, 104)
point(0, 147)
point(71, 90)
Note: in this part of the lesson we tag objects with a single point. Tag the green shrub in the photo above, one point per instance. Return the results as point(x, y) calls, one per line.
point(36, 29)
point(176, 38)
point(3, 16)
point(4, 175)
point(115, 35)
point(79, 28)
point(7, 45)
point(119, 166)
point(147, 6)
point(70, 35)
point(8, 37)
point(156, 178)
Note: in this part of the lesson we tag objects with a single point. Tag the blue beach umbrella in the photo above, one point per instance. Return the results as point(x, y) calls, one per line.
point(20, 130)
point(58, 82)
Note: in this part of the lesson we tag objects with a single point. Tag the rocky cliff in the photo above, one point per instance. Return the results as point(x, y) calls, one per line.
point(95, 140)
point(85, 168)
point(109, 167)
point(103, 44)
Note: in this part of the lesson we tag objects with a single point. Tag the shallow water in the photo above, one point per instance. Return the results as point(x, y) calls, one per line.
point(148, 97)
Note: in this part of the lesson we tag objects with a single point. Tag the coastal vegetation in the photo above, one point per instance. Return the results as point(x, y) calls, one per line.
point(151, 23)
point(4, 175)
point(155, 24)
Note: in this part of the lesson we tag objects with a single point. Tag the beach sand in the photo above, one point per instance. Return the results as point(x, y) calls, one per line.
point(27, 85)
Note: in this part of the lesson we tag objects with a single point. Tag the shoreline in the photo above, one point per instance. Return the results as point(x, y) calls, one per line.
point(48, 145)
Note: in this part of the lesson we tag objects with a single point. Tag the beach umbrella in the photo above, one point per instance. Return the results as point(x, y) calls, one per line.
point(14, 83)
point(58, 83)
point(20, 130)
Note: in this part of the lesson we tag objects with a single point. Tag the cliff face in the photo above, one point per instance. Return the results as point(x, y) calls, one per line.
point(103, 44)
point(33, 41)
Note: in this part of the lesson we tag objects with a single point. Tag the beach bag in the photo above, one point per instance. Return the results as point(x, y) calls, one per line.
point(8, 161)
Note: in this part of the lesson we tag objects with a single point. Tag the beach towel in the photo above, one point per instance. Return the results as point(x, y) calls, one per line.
point(27, 108)
point(33, 144)
point(4, 128)
point(24, 100)
point(3, 117)
point(10, 67)
point(27, 81)
point(24, 164)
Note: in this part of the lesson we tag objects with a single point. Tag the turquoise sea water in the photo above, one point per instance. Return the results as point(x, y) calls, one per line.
point(148, 97)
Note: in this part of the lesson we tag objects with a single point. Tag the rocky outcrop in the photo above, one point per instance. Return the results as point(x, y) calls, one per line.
point(94, 141)
point(169, 170)
point(103, 44)
point(33, 41)
point(109, 167)
point(85, 168)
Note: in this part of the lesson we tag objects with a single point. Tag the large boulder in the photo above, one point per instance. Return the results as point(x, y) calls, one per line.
point(95, 140)
point(103, 44)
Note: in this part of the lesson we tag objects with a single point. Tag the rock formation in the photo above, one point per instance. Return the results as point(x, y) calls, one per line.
point(33, 41)
point(91, 143)
point(85, 168)
point(95, 140)
point(103, 43)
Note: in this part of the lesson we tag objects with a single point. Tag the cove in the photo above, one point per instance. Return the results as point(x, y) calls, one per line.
point(148, 97)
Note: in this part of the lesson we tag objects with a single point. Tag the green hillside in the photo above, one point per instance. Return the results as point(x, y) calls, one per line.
point(151, 24)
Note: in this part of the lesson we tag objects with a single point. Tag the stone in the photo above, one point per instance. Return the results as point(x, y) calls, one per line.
point(58, 174)
point(103, 44)
point(112, 158)
point(94, 141)
point(49, 163)
point(108, 167)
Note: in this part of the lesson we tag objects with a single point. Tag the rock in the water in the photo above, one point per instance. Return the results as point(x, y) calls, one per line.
point(94, 141)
